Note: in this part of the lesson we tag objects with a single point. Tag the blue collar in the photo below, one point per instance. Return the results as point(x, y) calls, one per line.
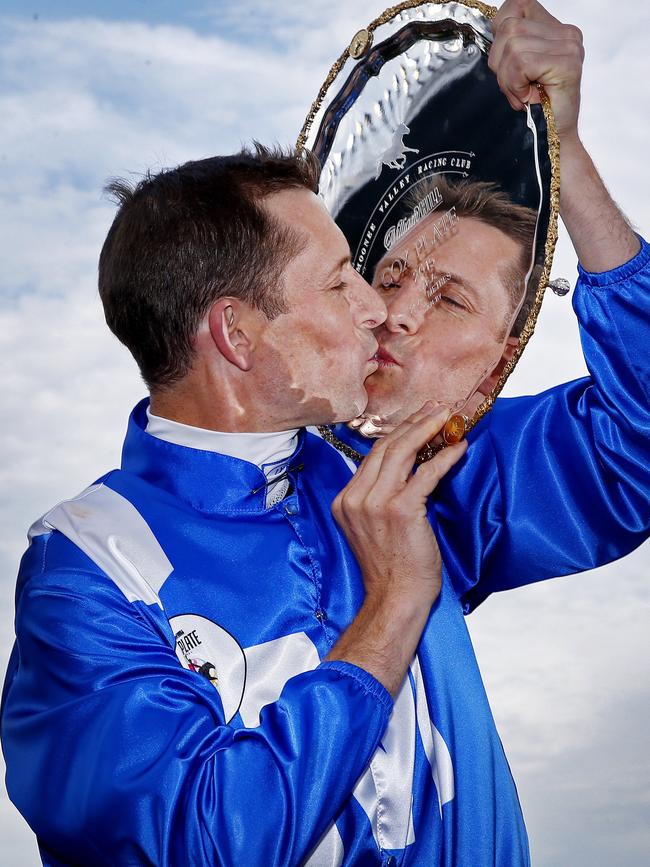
point(207, 481)
point(352, 438)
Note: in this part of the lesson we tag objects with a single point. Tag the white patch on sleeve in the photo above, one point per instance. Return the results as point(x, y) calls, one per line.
point(246, 678)
point(204, 646)
point(269, 666)
point(385, 789)
point(111, 531)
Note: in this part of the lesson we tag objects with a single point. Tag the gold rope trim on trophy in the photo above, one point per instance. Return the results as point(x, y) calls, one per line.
point(553, 142)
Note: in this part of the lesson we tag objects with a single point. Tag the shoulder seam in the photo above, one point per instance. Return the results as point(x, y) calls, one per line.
point(45, 544)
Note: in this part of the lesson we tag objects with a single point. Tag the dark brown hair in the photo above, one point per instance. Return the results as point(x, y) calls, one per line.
point(487, 202)
point(188, 236)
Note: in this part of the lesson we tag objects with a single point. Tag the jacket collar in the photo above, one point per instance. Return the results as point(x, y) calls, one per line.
point(206, 480)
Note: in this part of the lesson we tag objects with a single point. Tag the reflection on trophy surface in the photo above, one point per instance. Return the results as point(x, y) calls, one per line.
point(454, 281)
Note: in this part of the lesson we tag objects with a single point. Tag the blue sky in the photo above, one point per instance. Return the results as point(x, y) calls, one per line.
point(93, 90)
point(151, 11)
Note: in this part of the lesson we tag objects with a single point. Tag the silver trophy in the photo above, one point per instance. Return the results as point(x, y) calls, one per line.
point(448, 198)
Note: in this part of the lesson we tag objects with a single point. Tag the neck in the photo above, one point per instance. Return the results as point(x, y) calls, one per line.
point(225, 407)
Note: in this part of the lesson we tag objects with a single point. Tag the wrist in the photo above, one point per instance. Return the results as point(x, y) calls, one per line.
point(383, 638)
point(571, 144)
point(400, 608)
point(601, 235)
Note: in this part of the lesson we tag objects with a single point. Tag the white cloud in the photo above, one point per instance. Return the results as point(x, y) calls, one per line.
point(83, 100)
point(567, 667)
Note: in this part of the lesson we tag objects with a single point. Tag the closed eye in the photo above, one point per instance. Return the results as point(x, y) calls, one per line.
point(453, 302)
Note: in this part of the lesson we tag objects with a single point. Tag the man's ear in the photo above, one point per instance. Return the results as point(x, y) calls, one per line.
point(230, 323)
point(490, 381)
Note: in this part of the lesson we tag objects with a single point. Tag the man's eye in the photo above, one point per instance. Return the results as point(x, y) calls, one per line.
point(341, 285)
point(453, 302)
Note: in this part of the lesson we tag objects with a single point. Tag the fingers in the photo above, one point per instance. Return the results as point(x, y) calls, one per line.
point(366, 475)
point(554, 71)
point(371, 465)
point(399, 451)
point(514, 30)
point(384, 472)
point(526, 51)
point(517, 72)
point(394, 497)
point(427, 476)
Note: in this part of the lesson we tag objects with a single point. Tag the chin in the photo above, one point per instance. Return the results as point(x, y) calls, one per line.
point(357, 409)
point(388, 413)
point(381, 405)
point(352, 409)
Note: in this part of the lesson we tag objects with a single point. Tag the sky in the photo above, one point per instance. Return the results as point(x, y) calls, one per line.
point(91, 91)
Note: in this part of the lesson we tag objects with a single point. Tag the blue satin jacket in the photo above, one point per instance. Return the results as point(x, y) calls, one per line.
point(165, 702)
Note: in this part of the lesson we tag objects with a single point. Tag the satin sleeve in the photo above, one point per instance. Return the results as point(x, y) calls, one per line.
point(117, 755)
point(558, 482)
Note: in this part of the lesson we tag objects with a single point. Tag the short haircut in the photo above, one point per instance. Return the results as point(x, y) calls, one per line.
point(485, 201)
point(188, 236)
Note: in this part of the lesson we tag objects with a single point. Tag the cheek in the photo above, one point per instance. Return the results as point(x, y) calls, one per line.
point(445, 339)
point(451, 346)
point(325, 327)
point(318, 355)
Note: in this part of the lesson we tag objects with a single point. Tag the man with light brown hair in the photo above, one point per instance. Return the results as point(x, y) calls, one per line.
point(458, 292)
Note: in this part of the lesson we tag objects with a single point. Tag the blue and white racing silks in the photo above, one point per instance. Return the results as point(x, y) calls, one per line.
point(166, 702)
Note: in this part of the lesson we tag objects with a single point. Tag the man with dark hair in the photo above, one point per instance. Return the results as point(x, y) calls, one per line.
point(188, 236)
point(195, 582)
point(451, 328)
point(207, 671)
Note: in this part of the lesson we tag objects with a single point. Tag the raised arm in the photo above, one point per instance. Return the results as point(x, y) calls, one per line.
point(558, 482)
point(530, 45)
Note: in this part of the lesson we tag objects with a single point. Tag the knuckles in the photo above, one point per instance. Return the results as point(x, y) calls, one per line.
point(392, 449)
point(350, 505)
point(513, 53)
point(509, 9)
point(575, 33)
point(509, 53)
point(372, 506)
point(511, 27)
point(396, 511)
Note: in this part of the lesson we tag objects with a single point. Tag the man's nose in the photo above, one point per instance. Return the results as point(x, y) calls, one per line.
point(370, 305)
point(406, 309)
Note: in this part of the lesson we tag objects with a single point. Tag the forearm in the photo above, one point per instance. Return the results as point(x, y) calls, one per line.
point(601, 236)
point(382, 639)
point(531, 46)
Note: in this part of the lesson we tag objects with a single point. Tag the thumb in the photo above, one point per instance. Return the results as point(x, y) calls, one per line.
point(523, 91)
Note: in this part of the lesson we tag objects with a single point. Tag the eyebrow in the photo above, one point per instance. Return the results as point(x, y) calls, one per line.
point(456, 278)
